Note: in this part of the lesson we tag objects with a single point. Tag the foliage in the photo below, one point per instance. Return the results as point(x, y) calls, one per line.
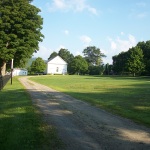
point(65, 55)
point(119, 63)
point(135, 63)
point(78, 65)
point(93, 55)
point(145, 46)
point(20, 27)
point(96, 70)
point(52, 55)
point(126, 96)
point(21, 124)
point(38, 65)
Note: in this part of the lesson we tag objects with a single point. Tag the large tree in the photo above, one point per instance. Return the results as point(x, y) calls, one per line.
point(145, 46)
point(119, 63)
point(52, 55)
point(65, 55)
point(20, 31)
point(93, 55)
point(38, 65)
point(135, 63)
point(78, 65)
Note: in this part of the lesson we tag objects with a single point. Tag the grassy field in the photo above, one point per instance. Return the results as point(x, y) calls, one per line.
point(126, 96)
point(21, 125)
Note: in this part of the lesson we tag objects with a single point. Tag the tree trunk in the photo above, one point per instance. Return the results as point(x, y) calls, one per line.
point(3, 69)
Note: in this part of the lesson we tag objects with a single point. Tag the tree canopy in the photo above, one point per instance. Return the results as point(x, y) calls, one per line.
point(79, 65)
point(38, 65)
point(65, 55)
point(52, 55)
point(93, 55)
point(145, 46)
point(135, 62)
point(20, 31)
point(119, 62)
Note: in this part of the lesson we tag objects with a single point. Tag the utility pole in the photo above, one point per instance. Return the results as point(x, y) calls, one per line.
point(11, 69)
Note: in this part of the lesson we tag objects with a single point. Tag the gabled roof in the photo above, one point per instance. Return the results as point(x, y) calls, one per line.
point(57, 60)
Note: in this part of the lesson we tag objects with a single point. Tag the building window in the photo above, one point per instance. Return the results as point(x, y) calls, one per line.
point(57, 69)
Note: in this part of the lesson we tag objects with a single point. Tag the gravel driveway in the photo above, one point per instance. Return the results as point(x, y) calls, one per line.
point(85, 127)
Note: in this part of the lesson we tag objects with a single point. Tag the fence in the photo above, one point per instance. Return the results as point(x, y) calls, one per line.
point(4, 80)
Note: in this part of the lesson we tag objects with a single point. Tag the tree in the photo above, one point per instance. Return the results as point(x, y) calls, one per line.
point(20, 31)
point(38, 65)
point(79, 65)
point(145, 46)
point(119, 63)
point(65, 55)
point(93, 55)
point(135, 63)
point(54, 54)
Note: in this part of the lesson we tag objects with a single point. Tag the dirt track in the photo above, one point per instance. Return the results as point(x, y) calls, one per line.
point(85, 127)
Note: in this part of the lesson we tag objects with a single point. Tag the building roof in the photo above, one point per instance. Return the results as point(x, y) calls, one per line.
point(57, 60)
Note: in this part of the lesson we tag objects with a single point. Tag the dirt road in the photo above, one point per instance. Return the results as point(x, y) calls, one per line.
point(85, 127)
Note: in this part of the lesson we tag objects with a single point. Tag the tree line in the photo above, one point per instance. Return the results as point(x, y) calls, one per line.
point(135, 61)
point(90, 63)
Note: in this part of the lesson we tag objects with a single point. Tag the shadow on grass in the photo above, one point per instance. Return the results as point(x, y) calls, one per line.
point(21, 125)
point(119, 77)
point(74, 119)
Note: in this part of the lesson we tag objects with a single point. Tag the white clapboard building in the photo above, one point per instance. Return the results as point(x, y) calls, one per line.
point(20, 72)
point(56, 65)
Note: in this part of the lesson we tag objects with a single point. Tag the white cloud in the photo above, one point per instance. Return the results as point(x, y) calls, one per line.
point(60, 46)
point(120, 45)
point(142, 15)
point(43, 52)
point(66, 32)
point(85, 39)
point(122, 33)
point(92, 10)
point(71, 5)
point(78, 53)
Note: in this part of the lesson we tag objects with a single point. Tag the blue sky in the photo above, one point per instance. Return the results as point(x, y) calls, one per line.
point(111, 25)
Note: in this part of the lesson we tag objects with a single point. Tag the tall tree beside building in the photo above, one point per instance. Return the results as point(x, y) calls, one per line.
point(78, 65)
point(20, 31)
point(38, 65)
point(65, 55)
point(52, 55)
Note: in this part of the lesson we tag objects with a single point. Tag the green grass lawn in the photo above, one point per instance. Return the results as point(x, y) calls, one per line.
point(21, 124)
point(126, 96)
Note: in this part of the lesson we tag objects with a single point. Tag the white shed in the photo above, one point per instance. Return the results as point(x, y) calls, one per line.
point(20, 72)
point(56, 66)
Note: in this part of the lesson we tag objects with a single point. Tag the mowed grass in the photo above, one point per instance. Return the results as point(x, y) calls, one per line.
point(126, 96)
point(21, 124)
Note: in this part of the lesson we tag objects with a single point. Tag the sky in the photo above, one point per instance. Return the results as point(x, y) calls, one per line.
point(112, 26)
